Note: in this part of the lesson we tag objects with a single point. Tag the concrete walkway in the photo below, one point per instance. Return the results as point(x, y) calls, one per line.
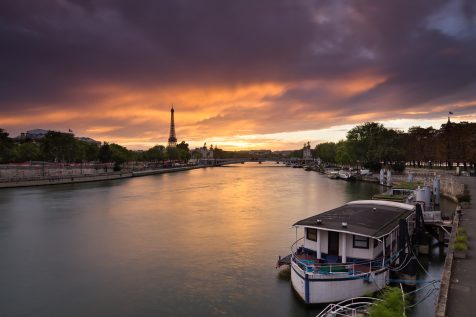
point(462, 290)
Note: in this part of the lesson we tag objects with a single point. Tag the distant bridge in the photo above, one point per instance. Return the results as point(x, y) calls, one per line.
point(220, 162)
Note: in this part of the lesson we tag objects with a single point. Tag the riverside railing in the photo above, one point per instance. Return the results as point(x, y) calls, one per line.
point(325, 269)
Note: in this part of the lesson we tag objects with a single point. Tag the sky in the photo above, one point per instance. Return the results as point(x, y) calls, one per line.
point(248, 74)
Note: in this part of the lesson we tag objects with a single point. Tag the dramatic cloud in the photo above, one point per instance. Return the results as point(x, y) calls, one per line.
point(239, 72)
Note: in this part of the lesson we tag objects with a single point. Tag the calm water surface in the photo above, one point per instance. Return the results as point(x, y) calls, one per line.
point(196, 243)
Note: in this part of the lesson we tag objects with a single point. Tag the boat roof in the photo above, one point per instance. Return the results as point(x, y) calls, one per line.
point(371, 218)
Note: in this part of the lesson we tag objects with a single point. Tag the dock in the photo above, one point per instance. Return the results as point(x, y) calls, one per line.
point(284, 261)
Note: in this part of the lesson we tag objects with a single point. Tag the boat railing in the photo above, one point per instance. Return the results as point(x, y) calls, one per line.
point(349, 307)
point(315, 266)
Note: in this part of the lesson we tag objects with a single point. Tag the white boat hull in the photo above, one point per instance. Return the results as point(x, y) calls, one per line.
point(318, 289)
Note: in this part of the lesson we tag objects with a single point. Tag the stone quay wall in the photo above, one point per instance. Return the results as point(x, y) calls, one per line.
point(449, 183)
point(16, 172)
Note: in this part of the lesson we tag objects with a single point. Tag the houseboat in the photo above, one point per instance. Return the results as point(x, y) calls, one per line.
point(348, 251)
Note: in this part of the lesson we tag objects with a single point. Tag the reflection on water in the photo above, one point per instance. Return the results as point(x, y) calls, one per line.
point(196, 243)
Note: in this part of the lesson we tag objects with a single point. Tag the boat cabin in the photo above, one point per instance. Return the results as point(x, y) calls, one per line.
point(355, 231)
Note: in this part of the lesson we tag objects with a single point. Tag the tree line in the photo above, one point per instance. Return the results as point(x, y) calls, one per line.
point(371, 145)
point(64, 147)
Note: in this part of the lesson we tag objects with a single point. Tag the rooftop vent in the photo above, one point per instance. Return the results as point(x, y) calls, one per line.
point(374, 209)
point(319, 221)
point(344, 224)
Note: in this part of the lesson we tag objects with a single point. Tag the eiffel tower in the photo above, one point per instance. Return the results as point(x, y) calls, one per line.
point(172, 137)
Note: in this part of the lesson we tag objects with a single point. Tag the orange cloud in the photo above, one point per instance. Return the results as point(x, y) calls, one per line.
point(234, 117)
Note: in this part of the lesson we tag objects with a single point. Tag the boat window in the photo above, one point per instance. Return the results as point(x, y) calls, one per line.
point(311, 234)
point(360, 242)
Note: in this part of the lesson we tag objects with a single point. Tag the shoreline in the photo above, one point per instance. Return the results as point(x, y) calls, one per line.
point(60, 180)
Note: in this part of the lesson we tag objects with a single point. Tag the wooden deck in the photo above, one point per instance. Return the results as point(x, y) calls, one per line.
point(319, 266)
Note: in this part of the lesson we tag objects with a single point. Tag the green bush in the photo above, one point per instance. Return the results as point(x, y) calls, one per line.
point(392, 304)
point(460, 246)
point(461, 232)
point(461, 238)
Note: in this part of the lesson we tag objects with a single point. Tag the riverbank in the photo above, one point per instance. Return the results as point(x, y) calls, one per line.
point(70, 179)
point(450, 184)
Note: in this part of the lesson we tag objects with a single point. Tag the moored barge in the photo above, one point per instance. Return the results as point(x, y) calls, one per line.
point(348, 251)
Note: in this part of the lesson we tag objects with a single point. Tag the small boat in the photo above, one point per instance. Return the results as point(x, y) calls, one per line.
point(348, 251)
point(365, 172)
point(333, 175)
point(346, 175)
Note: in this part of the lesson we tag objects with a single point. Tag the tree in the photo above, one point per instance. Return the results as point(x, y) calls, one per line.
point(326, 152)
point(296, 153)
point(105, 154)
point(421, 145)
point(390, 147)
point(183, 151)
point(172, 153)
point(120, 154)
point(371, 143)
point(90, 151)
point(59, 147)
point(27, 151)
point(461, 141)
point(6, 147)
point(156, 153)
point(363, 141)
point(343, 155)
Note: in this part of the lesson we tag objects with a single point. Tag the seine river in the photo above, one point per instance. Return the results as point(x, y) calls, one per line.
point(196, 243)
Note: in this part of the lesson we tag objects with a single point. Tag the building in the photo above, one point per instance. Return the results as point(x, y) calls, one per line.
point(172, 136)
point(88, 140)
point(306, 151)
point(205, 152)
point(35, 134)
